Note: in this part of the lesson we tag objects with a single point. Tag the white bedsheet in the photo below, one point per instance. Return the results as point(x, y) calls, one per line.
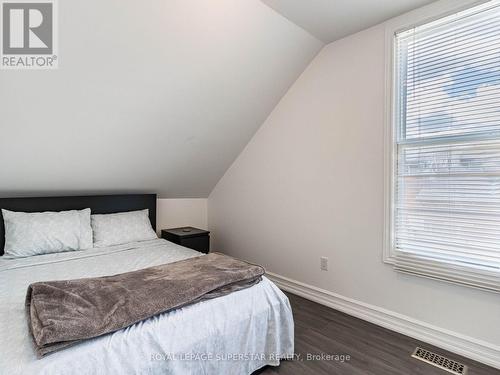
point(234, 334)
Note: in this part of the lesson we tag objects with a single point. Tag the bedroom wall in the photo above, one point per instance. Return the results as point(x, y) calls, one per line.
point(172, 213)
point(154, 95)
point(310, 184)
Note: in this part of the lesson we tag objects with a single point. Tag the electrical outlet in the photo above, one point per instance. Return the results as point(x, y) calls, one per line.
point(324, 263)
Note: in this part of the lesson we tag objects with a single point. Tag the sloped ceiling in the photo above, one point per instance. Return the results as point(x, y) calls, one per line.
point(155, 95)
point(330, 20)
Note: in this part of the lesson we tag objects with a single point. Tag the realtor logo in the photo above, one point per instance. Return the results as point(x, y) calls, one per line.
point(28, 35)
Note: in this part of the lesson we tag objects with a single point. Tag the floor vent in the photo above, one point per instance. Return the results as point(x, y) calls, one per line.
point(439, 361)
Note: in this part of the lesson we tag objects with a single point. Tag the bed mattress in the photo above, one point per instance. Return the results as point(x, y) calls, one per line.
point(234, 334)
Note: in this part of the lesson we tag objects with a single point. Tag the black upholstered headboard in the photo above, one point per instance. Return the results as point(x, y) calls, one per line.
point(99, 204)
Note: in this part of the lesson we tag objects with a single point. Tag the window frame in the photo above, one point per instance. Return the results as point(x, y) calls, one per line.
point(407, 21)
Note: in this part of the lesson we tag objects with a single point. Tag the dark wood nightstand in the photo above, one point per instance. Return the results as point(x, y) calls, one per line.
point(194, 238)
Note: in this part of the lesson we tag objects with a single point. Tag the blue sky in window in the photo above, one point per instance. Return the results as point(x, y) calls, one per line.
point(467, 81)
point(453, 89)
point(453, 78)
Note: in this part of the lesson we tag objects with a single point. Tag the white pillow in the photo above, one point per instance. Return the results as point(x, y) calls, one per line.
point(28, 234)
point(120, 228)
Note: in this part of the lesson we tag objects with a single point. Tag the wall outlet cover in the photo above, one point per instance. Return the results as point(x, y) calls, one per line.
point(324, 263)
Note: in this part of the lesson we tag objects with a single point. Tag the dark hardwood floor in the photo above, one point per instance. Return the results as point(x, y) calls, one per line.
point(372, 349)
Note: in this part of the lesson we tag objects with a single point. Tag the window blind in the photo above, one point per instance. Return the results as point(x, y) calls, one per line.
point(446, 208)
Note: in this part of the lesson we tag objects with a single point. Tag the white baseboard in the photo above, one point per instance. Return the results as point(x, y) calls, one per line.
point(466, 346)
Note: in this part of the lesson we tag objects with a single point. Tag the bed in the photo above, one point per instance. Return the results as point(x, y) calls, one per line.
point(234, 334)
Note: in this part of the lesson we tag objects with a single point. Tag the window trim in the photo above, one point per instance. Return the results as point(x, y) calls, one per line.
point(409, 20)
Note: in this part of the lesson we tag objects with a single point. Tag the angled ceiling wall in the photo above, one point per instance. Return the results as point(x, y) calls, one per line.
point(149, 96)
point(330, 20)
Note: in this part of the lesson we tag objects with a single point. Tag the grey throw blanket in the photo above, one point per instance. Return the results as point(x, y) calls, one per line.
point(63, 313)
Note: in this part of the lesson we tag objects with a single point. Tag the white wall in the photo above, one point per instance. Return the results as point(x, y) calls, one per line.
point(152, 95)
point(173, 213)
point(331, 20)
point(310, 184)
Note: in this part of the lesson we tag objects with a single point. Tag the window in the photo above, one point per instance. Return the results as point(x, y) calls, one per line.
point(445, 182)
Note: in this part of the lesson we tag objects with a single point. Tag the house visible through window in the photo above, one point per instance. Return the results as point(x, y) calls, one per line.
point(446, 148)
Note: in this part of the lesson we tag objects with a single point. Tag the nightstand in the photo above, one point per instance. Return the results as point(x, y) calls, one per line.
point(196, 239)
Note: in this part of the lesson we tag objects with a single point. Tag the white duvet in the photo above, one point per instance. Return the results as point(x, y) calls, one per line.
point(234, 334)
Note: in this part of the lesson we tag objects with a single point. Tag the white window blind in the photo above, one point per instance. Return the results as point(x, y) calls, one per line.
point(446, 203)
